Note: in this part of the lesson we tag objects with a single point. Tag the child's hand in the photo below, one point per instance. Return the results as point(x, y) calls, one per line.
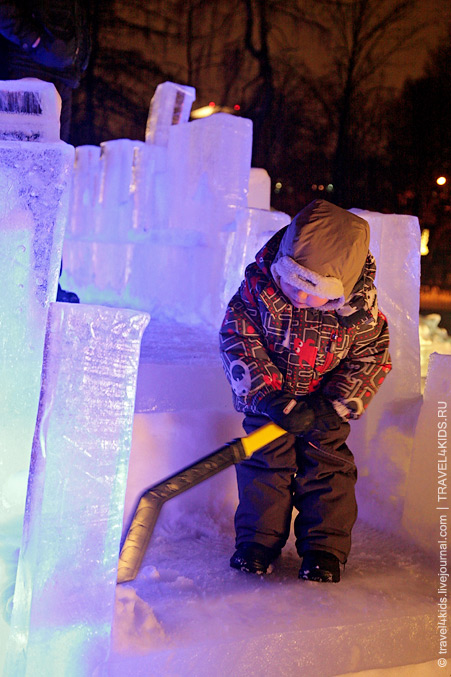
point(293, 415)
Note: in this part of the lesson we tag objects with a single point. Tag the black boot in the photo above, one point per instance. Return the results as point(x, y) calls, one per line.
point(66, 296)
point(318, 565)
point(253, 558)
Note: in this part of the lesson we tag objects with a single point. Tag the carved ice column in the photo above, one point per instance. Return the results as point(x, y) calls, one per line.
point(35, 181)
point(64, 598)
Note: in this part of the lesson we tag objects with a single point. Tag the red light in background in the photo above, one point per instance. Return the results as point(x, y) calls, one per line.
point(237, 107)
point(212, 104)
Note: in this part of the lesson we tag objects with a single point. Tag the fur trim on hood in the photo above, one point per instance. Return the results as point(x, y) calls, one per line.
point(323, 252)
point(307, 280)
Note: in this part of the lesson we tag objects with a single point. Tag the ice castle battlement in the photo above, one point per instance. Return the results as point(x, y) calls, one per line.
point(167, 225)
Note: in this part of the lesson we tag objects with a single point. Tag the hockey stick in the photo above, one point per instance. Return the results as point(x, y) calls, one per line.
point(151, 501)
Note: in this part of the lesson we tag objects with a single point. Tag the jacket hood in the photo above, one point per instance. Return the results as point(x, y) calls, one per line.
point(361, 304)
point(323, 252)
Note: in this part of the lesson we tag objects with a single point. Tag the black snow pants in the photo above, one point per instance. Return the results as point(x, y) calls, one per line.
point(314, 473)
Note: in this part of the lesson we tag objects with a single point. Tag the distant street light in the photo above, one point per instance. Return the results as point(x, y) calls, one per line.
point(424, 242)
point(441, 180)
point(206, 111)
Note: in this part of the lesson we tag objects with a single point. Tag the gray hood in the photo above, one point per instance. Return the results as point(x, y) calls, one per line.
point(323, 252)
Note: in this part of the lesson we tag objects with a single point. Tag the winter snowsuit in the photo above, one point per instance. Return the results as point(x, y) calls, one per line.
point(339, 349)
point(62, 30)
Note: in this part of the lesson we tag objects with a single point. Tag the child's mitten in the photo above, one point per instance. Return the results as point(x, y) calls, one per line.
point(325, 416)
point(293, 415)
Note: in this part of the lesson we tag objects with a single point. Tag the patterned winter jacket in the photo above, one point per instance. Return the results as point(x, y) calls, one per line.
point(267, 344)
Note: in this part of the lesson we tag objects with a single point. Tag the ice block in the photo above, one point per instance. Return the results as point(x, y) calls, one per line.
point(395, 243)
point(253, 227)
point(170, 105)
point(116, 190)
point(150, 190)
point(29, 111)
point(427, 501)
point(170, 223)
point(382, 440)
point(259, 195)
point(209, 164)
point(35, 181)
point(187, 280)
point(85, 194)
point(65, 588)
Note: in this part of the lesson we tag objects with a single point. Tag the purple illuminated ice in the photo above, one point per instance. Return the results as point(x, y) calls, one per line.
point(65, 588)
point(427, 497)
point(170, 105)
point(35, 181)
point(29, 111)
point(382, 440)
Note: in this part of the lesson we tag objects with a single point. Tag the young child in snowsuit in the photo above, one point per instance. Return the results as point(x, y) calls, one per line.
point(304, 345)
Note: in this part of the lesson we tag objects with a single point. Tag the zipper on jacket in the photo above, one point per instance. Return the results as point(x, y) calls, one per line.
point(331, 346)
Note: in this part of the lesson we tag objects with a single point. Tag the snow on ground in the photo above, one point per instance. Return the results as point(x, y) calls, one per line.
point(189, 613)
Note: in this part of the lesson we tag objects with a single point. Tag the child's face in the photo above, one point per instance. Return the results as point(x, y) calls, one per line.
point(299, 298)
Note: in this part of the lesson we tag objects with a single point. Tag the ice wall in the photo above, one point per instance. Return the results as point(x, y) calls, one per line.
point(425, 515)
point(65, 588)
point(382, 440)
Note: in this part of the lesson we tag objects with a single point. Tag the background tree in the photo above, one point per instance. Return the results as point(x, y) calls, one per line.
point(363, 38)
point(311, 127)
point(129, 40)
point(225, 50)
point(421, 152)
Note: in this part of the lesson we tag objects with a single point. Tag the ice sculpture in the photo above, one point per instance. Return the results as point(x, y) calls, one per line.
point(66, 579)
point(209, 161)
point(427, 498)
point(433, 339)
point(29, 111)
point(35, 181)
point(170, 105)
point(86, 192)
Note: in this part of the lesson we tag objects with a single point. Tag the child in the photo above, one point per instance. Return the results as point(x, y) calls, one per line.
point(303, 345)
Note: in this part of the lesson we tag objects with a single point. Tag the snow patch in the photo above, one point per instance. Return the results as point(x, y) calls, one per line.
point(135, 627)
